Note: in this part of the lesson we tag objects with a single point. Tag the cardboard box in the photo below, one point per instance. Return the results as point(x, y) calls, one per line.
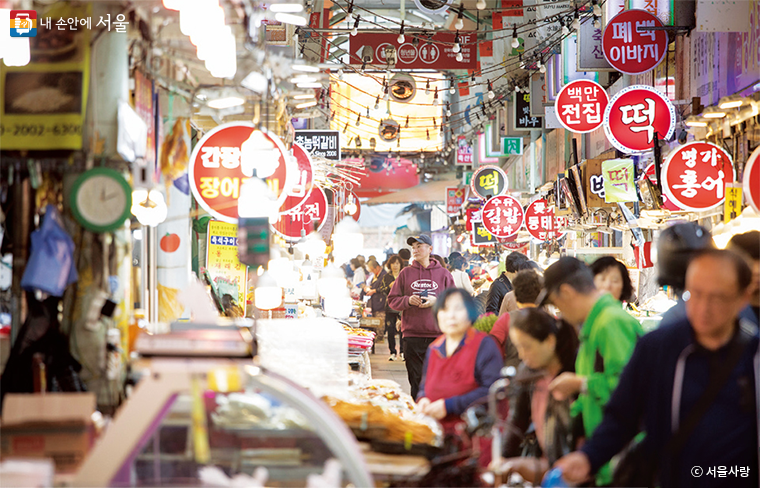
point(50, 425)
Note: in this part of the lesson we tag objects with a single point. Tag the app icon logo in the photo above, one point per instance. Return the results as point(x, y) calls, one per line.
point(23, 23)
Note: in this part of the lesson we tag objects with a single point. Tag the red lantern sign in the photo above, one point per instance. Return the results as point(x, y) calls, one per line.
point(634, 115)
point(580, 105)
point(312, 209)
point(694, 176)
point(540, 220)
point(503, 216)
point(628, 48)
point(302, 183)
point(751, 180)
point(217, 168)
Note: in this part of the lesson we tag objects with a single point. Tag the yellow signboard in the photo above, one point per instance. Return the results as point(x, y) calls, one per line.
point(42, 104)
point(222, 260)
point(733, 204)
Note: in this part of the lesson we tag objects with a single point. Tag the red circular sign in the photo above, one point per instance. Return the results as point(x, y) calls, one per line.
point(217, 169)
point(694, 176)
point(630, 50)
point(312, 209)
point(503, 216)
point(540, 220)
point(302, 183)
point(580, 105)
point(634, 115)
point(751, 180)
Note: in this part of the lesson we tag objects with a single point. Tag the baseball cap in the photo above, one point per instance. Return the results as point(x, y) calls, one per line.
point(565, 270)
point(423, 238)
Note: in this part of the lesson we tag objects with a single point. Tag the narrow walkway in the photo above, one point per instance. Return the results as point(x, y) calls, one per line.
point(388, 370)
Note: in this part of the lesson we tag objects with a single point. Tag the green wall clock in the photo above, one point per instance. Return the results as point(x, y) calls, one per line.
point(101, 200)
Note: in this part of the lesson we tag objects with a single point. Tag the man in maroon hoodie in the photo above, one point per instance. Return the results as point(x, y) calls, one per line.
point(414, 294)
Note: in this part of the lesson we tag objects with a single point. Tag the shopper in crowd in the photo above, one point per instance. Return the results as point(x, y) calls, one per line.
point(377, 299)
point(608, 335)
point(612, 276)
point(358, 280)
point(691, 387)
point(460, 365)
point(440, 260)
point(748, 245)
point(547, 348)
point(392, 322)
point(509, 303)
point(528, 285)
point(458, 263)
point(414, 294)
point(503, 284)
point(405, 255)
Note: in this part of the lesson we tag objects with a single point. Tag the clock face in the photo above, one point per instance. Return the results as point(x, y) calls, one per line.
point(101, 200)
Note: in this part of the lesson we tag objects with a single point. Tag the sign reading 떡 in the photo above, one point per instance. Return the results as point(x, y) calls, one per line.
point(630, 49)
point(634, 115)
point(489, 181)
point(618, 176)
point(222, 260)
point(503, 216)
point(480, 235)
point(320, 143)
point(694, 176)
point(580, 105)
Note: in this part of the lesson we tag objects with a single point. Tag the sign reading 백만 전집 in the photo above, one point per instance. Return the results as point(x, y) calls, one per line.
point(694, 176)
point(503, 216)
point(227, 155)
point(580, 105)
point(634, 115)
point(628, 47)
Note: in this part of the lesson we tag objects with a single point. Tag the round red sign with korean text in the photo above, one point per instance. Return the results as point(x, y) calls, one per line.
point(503, 216)
point(634, 115)
point(580, 106)
point(628, 47)
point(302, 183)
point(751, 180)
point(540, 220)
point(217, 168)
point(694, 176)
point(312, 210)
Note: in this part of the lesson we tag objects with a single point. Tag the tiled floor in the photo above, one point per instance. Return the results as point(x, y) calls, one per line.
point(388, 370)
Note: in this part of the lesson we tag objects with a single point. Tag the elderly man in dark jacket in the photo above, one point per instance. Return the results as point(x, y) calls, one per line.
point(503, 284)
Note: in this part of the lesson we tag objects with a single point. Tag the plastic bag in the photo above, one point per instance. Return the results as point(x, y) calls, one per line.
point(51, 265)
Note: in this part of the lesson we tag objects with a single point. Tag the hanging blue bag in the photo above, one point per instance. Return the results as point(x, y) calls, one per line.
point(51, 265)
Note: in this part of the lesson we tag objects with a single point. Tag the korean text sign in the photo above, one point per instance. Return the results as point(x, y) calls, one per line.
point(634, 115)
point(694, 176)
point(320, 143)
point(618, 177)
point(503, 216)
point(580, 105)
point(751, 179)
point(540, 220)
point(222, 257)
point(218, 167)
point(523, 119)
point(454, 199)
point(630, 49)
point(310, 213)
point(464, 152)
point(489, 181)
point(302, 184)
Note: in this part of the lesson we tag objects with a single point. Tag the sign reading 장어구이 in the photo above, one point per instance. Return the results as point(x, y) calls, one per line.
point(630, 49)
point(489, 181)
point(218, 167)
point(694, 176)
point(503, 216)
point(634, 115)
point(580, 105)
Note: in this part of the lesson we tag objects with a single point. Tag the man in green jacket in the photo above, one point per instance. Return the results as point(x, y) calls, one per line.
point(607, 335)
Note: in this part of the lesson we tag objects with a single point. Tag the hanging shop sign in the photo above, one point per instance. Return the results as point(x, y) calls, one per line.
point(618, 176)
point(594, 183)
point(695, 175)
point(320, 143)
point(523, 119)
point(480, 235)
point(630, 50)
point(751, 180)
point(569, 56)
point(580, 106)
point(667, 203)
point(733, 204)
point(540, 220)
point(590, 53)
point(634, 115)
point(464, 152)
point(473, 216)
point(454, 199)
point(503, 216)
point(513, 146)
point(302, 183)
point(228, 154)
point(305, 217)
point(227, 272)
point(434, 54)
point(489, 181)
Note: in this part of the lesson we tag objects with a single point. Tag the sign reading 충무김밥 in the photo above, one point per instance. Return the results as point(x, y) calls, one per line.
point(580, 105)
point(320, 143)
point(634, 115)
point(628, 47)
point(503, 216)
point(694, 176)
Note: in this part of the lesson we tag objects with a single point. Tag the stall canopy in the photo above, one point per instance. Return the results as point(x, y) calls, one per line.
point(435, 191)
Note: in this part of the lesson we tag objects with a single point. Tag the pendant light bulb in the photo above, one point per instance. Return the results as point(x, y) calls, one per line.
point(515, 40)
point(542, 68)
point(576, 25)
point(597, 9)
point(355, 30)
point(406, 126)
point(427, 87)
point(460, 58)
point(358, 120)
point(427, 131)
point(597, 23)
point(401, 38)
point(457, 48)
point(452, 90)
point(340, 73)
point(435, 97)
point(459, 24)
point(481, 5)
point(377, 102)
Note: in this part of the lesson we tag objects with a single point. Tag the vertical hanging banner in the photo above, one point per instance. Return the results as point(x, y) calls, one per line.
point(634, 115)
point(522, 118)
point(489, 181)
point(580, 106)
point(503, 216)
point(733, 204)
point(43, 104)
point(631, 50)
point(144, 108)
point(618, 176)
point(590, 52)
point(464, 152)
point(454, 199)
point(570, 70)
point(229, 274)
point(695, 175)
point(751, 180)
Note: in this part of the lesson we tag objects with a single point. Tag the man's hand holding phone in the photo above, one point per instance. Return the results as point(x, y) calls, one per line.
point(415, 300)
